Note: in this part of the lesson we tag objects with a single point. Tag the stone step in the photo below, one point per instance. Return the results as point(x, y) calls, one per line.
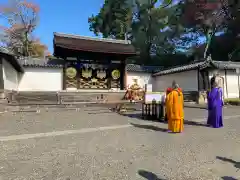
point(90, 97)
point(3, 101)
point(35, 98)
point(63, 97)
point(83, 98)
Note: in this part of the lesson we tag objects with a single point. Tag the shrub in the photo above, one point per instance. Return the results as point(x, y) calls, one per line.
point(232, 101)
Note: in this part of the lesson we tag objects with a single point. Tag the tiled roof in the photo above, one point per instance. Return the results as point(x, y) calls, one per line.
point(139, 68)
point(89, 44)
point(92, 38)
point(38, 62)
point(5, 50)
point(11, 59)
point(226, 64)
point(187, 67)
point(200, 65)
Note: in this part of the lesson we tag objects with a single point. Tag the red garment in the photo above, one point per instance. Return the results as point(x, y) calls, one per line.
point(180, 89)
point(168, 90)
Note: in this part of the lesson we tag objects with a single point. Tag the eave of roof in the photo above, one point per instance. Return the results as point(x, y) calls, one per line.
point(89, 44)
point(42, 66)
point(140, 68)
point(200, 65)
point(12, 60)
point(92, 38)
point(39, 63)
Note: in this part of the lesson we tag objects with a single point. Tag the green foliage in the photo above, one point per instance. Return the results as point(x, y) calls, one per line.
point(153, 29)
point(232, 101)
point(168, 60)
point(161, 30)
point(209, 17)
point(113, 20)
point(143, 23)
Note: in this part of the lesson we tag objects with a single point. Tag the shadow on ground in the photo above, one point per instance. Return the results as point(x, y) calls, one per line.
point(228, 178)
point(100, 112)
point(139, 116)
point(151, 127)
point(149, 175)
point(235, 163)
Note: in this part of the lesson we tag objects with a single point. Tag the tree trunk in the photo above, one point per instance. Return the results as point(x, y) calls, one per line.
point(26, 44)
point(209, 34)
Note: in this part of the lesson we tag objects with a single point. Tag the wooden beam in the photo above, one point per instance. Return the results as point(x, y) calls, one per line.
point(122, 80)
point(198, 73)
point(64, 73)
point(109, 70)
point(225, 74)
point(1, 74)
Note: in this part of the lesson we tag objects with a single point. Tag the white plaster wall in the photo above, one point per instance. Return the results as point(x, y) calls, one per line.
point(230, 83)
point(187, 80)
point(10, 76)
point(142, 78)
point(41, 79)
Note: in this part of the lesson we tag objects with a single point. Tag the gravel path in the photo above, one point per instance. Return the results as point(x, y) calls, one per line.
point(142, 150)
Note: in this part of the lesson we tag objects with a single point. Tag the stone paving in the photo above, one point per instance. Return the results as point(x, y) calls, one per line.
point(97, 144)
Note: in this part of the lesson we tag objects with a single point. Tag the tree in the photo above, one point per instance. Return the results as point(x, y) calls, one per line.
point(38, 49)
point(208, 17)
point(211, 17)
point(202, 16)
point(150, 30)
point(157, 32)
point(231, 9)
point(152, 27)
point(113, 20)
point(22, 17)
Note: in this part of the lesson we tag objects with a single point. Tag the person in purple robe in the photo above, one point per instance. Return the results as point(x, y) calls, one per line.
point(215, 105)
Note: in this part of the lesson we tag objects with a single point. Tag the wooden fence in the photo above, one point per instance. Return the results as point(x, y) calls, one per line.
point(153, 111)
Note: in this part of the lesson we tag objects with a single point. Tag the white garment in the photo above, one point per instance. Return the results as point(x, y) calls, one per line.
point(163, 98)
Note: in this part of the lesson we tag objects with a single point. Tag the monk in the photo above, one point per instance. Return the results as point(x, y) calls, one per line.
point(215, 104)
point(174, 108)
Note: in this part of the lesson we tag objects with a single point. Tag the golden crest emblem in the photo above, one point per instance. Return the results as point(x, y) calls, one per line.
point(87, 73)
point(101, 74)
point(94, 80)
point(71, 72)
point(116, 74)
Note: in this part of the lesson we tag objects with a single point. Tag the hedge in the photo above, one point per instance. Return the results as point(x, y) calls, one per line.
point(232, 101)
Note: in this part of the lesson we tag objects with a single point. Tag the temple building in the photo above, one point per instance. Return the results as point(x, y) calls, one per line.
point(92, 63)
point(194, 78)
point(82, 67)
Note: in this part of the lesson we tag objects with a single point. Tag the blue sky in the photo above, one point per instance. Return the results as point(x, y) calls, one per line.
point(65, 16)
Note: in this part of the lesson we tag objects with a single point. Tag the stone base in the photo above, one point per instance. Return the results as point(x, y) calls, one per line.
point(190, 96)
point(195, 96)
point(68, 97)
point(65, 97)
point(6, 96)
point(202, 97)
point(2, 94)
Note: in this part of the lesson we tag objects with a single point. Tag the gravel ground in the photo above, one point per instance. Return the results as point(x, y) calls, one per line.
point(141, 151)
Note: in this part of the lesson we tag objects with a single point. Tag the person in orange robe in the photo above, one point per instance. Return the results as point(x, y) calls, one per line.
point(167, 92)
point(174, 108)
